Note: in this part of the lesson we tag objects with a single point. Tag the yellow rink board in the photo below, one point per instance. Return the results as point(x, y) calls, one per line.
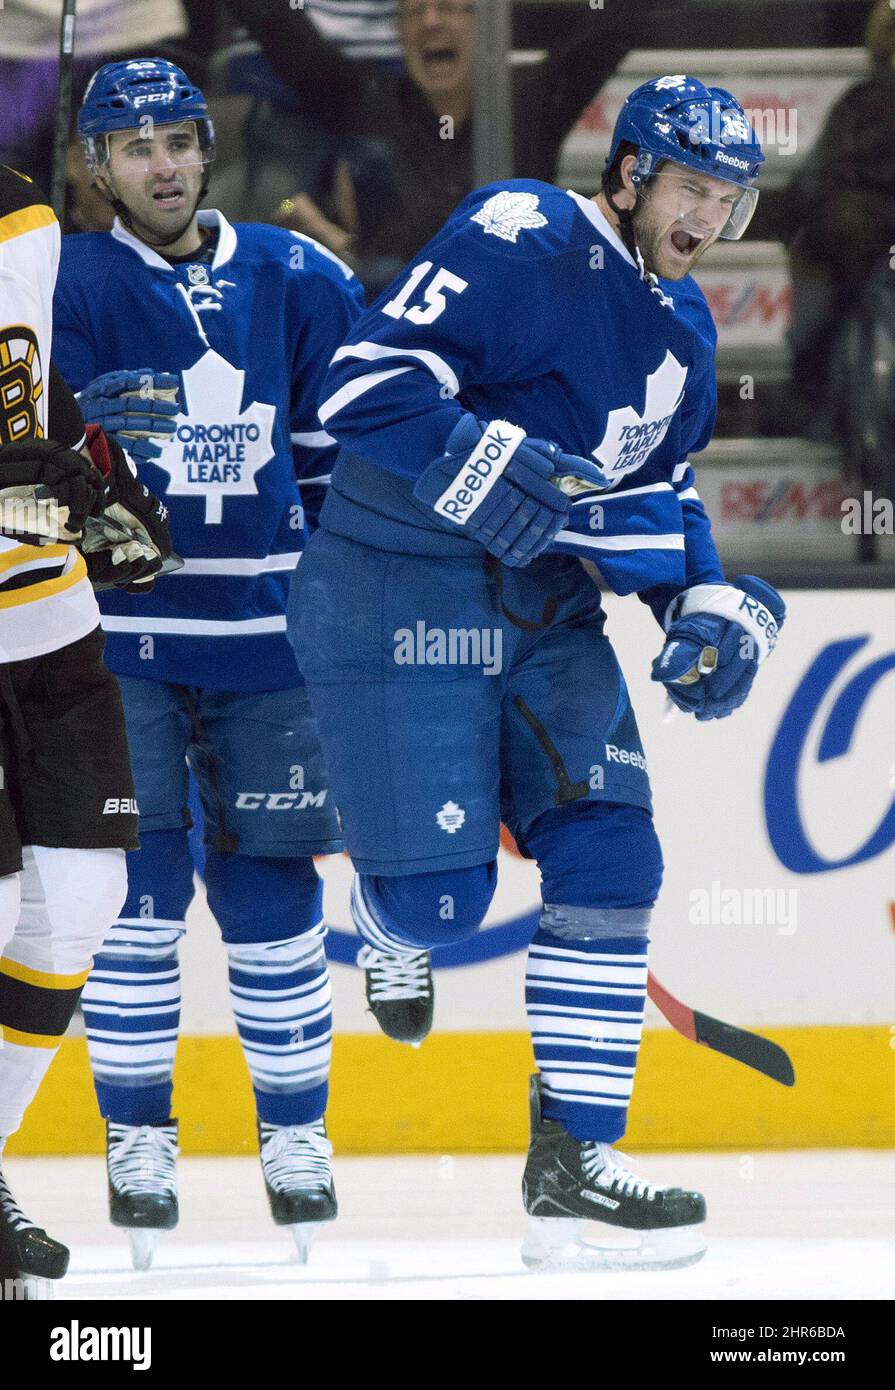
point(467, 1091)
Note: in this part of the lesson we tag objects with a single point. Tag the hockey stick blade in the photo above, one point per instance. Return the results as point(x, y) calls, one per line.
point(739, 1044)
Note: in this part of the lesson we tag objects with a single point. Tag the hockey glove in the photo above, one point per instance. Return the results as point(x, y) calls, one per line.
point(502, 488)
point(717, 637)
point(139, 405)
point(127, 539)
point(46, 491)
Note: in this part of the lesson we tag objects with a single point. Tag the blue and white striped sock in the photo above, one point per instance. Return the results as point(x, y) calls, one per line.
point(282, 1000)
point(131, 1005)
point(585, 1001)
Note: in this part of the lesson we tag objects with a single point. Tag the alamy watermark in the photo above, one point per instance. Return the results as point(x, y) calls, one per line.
point(37, 517)
point(868, 515)
point(717, 906)
point(450, 646)
point(76, 1342)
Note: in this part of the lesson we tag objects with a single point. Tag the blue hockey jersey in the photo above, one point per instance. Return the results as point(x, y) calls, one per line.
point(251, 334)
point(528, 307)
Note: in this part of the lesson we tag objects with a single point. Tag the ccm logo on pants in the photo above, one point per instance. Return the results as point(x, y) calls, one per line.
point(279, 801)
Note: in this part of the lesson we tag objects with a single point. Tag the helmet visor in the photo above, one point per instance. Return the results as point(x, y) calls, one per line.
point(154, 148)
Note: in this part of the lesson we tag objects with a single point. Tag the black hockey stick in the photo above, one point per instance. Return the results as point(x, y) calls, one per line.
point(749, 1048)
point(63, 107)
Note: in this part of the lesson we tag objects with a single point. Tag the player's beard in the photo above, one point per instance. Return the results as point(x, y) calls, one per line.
point(155, 236)
point(650, 231)
point(152, 236)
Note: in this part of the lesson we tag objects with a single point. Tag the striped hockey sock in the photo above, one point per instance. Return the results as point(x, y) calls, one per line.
point(585, 1001)
point(131, 1002)
point(131, 1005)
point(282, 1000)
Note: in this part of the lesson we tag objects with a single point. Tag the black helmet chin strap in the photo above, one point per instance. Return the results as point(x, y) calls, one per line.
point(626, 221)
point(626, 226)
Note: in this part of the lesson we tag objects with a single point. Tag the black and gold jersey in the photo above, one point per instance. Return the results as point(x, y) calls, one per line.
point(46, 600)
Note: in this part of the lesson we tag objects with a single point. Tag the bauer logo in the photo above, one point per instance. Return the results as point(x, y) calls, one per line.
point(218, 447)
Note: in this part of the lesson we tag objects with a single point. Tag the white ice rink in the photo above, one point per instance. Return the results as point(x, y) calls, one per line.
point(781, 1226)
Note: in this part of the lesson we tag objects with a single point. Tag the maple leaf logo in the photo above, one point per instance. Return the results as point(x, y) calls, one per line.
point(218, 447)
point(630, 438)
point(507, 214)
point(451, 817)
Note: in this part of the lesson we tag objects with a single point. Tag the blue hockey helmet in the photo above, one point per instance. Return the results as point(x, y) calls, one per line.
point(704, 128)
point(120, 95)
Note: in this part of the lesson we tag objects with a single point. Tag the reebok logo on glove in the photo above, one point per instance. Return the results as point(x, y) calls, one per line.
point(763, 618)
point(480, 472)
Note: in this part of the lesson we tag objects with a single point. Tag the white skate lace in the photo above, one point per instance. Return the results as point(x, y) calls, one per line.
point(601, 1165)
point(296, 1157)
point(10, 1210)
point(395, 977)
point(142, 1159)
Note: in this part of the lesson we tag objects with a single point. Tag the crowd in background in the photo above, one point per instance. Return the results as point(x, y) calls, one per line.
point(351, 121)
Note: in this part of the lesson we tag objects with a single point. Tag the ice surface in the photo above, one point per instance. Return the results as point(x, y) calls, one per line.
point(818, 1224)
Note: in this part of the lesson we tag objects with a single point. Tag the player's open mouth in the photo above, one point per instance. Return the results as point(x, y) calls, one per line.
point(685, 243)
point(168, 197)
point(437, 60)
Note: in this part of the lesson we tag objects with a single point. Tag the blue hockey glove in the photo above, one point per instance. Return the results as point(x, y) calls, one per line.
point(717, 637)
point(496, 483)
point(139, 405)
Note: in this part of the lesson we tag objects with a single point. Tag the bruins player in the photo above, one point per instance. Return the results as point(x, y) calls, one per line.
point(67, 808)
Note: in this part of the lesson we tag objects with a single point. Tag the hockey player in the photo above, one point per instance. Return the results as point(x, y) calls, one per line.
point(554, 318)
point(67, 808)
point(241, 321)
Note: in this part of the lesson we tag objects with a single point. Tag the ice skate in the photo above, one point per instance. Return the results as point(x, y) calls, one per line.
point(142, 1165)
point(399, 992)
point(296, 1161)
point(30, 1260)
point(568, 1182)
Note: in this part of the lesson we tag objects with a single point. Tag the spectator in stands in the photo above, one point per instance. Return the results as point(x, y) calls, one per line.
point(839, 222)
point(292, 139)
point(29, 63)
point(406, 136)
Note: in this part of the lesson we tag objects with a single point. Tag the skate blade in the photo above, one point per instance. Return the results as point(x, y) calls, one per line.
point(555, 1244)
point(144, 1243)
point(303, 1233)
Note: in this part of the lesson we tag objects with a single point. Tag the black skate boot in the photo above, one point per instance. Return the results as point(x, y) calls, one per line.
point(399, 993)
point(296, 1161)
point(29, 1258)
point(568, 1181)
point(141, 1161)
